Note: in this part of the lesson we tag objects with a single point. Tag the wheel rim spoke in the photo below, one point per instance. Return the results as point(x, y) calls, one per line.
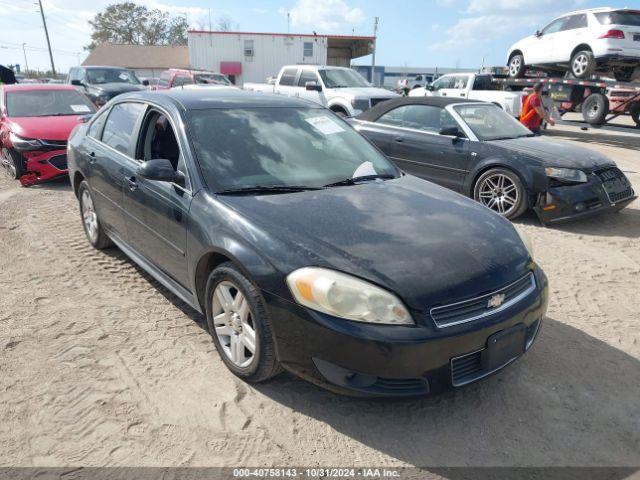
point(498, 193)
point(233, 324)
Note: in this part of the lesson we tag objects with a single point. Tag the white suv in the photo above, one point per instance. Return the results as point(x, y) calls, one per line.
point(584, 42)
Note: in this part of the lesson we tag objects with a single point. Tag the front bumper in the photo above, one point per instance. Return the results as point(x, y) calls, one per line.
point(380, 360)
point(43, 166)
point(575, 201)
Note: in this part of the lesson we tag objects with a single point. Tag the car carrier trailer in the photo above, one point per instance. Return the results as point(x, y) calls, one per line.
point(586, 96)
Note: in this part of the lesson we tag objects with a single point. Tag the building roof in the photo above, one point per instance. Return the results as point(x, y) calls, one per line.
point(139, 56)
point(344, 37)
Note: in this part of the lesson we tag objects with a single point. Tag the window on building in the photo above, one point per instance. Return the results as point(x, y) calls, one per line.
point(308, 49)
point(288, 77)
point(248, 48)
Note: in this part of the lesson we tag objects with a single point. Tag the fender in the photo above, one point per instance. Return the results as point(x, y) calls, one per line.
point(342, 103)
point(532, 181)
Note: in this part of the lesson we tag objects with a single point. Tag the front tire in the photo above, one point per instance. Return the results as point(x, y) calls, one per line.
point(14, 163)
point(239, 325)
point(517, 68)
point(583, 64)
point(502, 191)
point(635, 113)
point(90, 222)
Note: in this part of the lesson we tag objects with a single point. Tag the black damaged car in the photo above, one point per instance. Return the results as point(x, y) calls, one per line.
point(304, 246)
point(477, 149)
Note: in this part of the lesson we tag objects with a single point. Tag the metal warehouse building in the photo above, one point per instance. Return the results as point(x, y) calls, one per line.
point(252, 57)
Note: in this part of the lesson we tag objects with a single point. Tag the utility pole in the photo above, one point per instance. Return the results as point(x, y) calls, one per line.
point(373, 54)
point(26, 65)
point(288, 23)
point(46, 32)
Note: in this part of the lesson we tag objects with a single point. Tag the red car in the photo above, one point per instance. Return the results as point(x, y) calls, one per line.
point(175, 77)
point(35, 123)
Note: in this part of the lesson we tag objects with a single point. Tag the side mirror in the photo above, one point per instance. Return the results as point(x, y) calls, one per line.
point(77, 83)
point(429, 87)
point(145, 82)
point(161, 170)
point(313, 87)
point(451, 132)
point(86, 118)
point(538, 33)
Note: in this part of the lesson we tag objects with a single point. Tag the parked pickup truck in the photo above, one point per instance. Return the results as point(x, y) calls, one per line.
point(341, 89)
point(473, 86)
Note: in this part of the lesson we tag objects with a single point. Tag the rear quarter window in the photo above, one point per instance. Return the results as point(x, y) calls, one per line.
point(631, 19)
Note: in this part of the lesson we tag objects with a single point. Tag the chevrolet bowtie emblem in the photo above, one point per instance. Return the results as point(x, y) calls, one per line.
point(496, 300)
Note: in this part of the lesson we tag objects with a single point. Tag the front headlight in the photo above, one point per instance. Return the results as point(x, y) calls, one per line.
point(526, 240)
point(566, 174)
point(344, 296)
point(20, 143)
point(360, 104)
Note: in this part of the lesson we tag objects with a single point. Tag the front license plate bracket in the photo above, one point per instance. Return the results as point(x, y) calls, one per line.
point(504, 346)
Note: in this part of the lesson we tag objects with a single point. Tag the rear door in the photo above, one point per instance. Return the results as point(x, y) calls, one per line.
point(106, 153)
point(287, 83)
point(157, 212)
point(573, 32)
point(418, 148)
point(459, 87)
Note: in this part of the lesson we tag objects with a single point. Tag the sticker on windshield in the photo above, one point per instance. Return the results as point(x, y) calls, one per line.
point(123, 76)
point(324, 125)
point(80, 108)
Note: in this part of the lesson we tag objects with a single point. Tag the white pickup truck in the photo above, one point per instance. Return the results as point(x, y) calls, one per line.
point(341, 89)
point(473, 86)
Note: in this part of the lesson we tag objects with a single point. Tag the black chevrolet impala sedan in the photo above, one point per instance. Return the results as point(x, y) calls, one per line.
point(477, 149)
point(304, 246)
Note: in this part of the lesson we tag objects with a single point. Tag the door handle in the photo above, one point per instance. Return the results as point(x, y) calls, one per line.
point(132, 182)
point(463, 94)
point(398, 139)
point(92, 158)
point(444, 94)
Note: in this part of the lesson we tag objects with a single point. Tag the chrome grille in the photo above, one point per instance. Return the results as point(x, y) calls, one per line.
point(482, 306)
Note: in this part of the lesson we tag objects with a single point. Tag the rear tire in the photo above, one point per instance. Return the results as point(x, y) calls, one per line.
point(90, 222)
point(501, 191)
point(634, 111)
point(582, 64)
point(239, 324)
point(517, 68)
point(595, 109)
point(623, 74)
point(14, 162)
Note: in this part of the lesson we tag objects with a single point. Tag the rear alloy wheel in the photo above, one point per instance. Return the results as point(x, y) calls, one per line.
point(13, 163)
point(595, 109)
point(517, 67)
point(239, 324)
point(583, 64)
point(92, 228)
point(501, 191)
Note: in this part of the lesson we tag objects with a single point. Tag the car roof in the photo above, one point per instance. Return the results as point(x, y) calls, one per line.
point(598, 10)
point(15, 87)
point(382, 108)
point(203, 99)
point(89, 67)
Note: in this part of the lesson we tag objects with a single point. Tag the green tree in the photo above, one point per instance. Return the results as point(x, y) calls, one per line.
point(128, 23)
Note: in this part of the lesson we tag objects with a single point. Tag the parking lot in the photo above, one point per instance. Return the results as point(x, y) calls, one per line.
point(102, 366)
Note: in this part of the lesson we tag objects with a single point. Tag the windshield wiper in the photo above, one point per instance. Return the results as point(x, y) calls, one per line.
point(362, 178)
point(266, 189)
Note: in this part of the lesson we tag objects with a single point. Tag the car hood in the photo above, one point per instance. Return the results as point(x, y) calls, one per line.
point(554, 153)
point(427, 244)
point(365, 92)
point(45, 128)
point(115, 88)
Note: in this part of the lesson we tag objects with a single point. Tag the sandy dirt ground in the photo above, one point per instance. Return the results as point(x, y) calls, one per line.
point(100, 365)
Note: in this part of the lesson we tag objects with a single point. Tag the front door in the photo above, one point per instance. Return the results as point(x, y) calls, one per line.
point(419, 149)
point(158, 212)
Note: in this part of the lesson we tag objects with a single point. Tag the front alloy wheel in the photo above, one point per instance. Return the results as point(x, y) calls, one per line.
point(12, 164)
point(516, 66)
point(239, 323)
point(501, 191)
point(90, 221)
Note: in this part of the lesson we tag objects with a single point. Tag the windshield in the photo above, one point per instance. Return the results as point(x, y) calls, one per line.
point(489, 122)
point(211, 78)
point(44, 103)
point(342, 78)
point(620, 17)
point(111, 75)
point(280, 146)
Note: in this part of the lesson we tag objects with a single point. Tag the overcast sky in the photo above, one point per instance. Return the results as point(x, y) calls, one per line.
point(418, 33)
